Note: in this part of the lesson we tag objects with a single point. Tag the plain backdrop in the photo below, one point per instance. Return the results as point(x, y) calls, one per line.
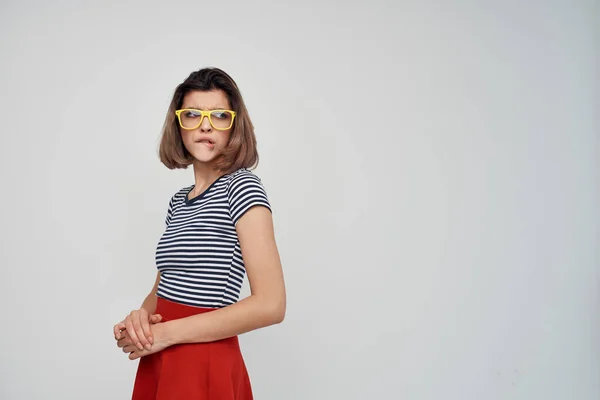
point(432, 166)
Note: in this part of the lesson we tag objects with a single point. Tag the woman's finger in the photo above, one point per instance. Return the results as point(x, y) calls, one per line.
point(140, 317)
point(125, 340)
point(117, 330)
point(129, 349)
point(142, 333)
point(147, 332)
point(131, 330)
point(155, 318)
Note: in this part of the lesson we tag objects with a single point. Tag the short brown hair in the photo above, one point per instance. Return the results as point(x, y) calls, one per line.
point(241, 150)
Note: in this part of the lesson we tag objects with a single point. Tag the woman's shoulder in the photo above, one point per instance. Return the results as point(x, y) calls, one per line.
point(180, 195)
point(234, 181)
point(242, 176)
point(244, 191)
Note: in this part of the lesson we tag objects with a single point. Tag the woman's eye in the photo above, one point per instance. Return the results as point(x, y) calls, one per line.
point(220, 114)
point(191, 114)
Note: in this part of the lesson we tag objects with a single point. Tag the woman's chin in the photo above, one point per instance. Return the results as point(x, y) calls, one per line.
point(204, 157)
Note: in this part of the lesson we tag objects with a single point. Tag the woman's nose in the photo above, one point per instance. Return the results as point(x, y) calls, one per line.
point(205, 125)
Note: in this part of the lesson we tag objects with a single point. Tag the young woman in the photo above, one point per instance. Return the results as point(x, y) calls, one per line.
point(217, 230)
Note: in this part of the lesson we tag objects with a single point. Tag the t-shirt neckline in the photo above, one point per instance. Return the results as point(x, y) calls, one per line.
point(201, 195)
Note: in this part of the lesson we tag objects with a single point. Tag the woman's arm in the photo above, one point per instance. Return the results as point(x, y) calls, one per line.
point(149, 303)
point(265, 306)
point(137, 323)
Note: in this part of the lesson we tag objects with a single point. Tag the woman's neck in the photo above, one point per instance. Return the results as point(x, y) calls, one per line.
point(204, 176)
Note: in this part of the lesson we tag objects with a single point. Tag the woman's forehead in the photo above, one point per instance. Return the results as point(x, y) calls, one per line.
point(206, 100)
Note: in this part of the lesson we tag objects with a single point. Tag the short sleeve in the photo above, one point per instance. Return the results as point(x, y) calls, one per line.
point(244, 192)
point(169, 212)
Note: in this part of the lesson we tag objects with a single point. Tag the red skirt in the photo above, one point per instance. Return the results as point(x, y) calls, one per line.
point(196, 371)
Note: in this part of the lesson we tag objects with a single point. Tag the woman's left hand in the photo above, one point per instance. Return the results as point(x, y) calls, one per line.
point(160, 342)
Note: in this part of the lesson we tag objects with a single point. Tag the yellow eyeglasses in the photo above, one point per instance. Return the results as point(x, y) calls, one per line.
point(191, 118)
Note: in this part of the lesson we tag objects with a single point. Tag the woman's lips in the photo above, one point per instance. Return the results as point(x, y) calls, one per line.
point(207, 143)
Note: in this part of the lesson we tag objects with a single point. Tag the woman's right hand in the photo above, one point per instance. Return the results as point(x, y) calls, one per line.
point(137, 324)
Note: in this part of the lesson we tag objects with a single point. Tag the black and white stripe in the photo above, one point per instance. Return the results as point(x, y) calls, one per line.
point(199, 255)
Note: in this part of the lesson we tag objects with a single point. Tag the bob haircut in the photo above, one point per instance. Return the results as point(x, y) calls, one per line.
point(241, 150)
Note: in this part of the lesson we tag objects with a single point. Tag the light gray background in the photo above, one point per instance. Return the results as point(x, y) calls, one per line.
point(433, 167)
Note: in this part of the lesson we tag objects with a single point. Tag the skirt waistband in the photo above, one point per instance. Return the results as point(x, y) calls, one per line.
point(170, 310)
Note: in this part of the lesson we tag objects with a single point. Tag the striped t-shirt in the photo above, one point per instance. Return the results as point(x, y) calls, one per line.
point(199, 255)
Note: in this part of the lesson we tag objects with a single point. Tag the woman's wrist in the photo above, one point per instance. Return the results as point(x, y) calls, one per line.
point(149, 303)
point(170, 332)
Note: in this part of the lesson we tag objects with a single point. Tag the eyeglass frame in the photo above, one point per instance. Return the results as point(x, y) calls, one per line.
point(204, 113)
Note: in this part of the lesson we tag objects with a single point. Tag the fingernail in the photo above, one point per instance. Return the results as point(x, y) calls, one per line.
point(150, 340)
point(118, 336)
point(148, 347)
point(139, 345)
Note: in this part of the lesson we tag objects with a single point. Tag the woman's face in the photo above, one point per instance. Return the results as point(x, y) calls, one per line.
point(205, 142)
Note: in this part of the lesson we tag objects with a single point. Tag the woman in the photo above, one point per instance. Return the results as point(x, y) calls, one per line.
point(217, 230)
